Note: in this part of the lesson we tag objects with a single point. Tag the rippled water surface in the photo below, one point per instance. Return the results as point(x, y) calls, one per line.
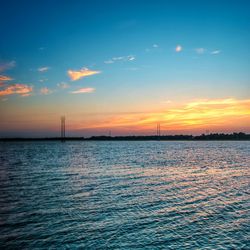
point(124, 195)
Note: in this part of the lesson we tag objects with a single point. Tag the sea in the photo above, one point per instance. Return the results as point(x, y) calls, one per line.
point(125, 195)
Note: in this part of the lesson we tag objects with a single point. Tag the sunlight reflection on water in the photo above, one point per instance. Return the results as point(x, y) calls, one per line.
point(124, 195)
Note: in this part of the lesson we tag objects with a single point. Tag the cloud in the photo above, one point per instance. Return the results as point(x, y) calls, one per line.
point(121, 59)
point(43, 69)
point(18, 88)
point(45, 91)
point(109, 61)
point(153, 48)
point(166, 102)
point(5, 78)
point(7, 65)
point(76, 75)
point(228, 113)
point(130, 58)
point(28, 94)
point(43, 80)
point(200, 50)
point(83, 90)
point(178, 48)
point(216, 52)
point(63, 85)
point(216, 102)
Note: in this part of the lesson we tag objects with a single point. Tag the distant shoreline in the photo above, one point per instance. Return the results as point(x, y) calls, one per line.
point(209, 137)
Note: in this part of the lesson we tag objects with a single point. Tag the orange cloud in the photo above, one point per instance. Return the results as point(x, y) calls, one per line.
point(76, 75)
point(83, 90)
point(5, 78)
point(21, 89)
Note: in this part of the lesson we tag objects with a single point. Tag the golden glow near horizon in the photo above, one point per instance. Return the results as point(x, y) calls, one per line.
point(193, 115)
point(116, 71)
point(217, 115)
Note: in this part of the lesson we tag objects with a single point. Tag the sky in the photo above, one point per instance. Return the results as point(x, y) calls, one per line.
point(124, 66)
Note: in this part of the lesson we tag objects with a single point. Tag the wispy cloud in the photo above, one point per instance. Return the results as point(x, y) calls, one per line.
point(78, 74)
point(200, 50)
point(120, 59)
point(7, 65)
point(5, 78)
point(154, 47)
point(212, 102)
point(63, 85)
point(43, 80)
point(178, 48)
point(124, 58)
point(216, 52)
point(25, 95)
point(43, 69)
point(109, 61)
point(20, 89)
point(45, 91)
point(198, 114)
point(83, 91)
point(166, 102)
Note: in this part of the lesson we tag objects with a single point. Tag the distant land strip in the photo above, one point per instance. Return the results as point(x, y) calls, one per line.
point(203, 137)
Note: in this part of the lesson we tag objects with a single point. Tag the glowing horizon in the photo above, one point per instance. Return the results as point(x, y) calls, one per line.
point(119, 71)
point(215, 115)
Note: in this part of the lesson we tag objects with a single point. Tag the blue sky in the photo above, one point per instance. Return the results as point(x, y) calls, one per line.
point(146, 53)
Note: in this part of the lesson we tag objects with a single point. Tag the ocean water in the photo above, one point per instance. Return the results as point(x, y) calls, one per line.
point(125, 195)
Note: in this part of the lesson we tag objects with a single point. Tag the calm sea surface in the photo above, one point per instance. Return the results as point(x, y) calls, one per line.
point(125, 195)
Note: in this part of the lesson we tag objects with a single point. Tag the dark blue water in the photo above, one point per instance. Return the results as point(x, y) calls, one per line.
point(124, 195)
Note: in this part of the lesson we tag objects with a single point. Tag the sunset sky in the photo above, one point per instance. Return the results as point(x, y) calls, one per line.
point(124, 66)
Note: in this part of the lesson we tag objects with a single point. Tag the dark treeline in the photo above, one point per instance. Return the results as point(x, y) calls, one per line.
point(203, 137)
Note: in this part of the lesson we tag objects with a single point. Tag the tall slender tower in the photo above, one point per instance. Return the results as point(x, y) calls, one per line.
point(158, 129)
point(62, 128)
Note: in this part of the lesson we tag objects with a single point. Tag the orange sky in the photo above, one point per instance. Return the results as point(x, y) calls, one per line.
point(196, 116)
point(124, 68)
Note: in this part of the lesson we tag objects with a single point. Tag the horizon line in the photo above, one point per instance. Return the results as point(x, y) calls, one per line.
point(210, 136)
